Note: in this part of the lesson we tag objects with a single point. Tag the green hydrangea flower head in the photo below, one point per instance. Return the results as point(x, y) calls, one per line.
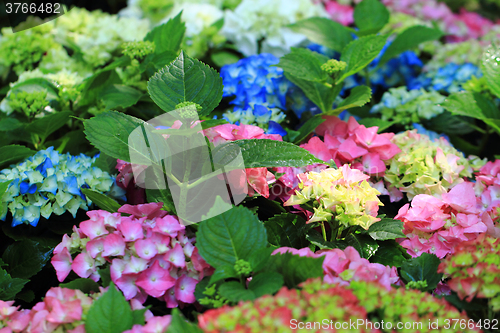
point(333, 67)
point(138, 49)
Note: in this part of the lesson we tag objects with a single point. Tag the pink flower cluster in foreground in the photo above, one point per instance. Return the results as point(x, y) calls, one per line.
point(148, 253)
point(350, 142)
point(459, 27)
point(436, 225)
point(64, 310)
point(342, 266)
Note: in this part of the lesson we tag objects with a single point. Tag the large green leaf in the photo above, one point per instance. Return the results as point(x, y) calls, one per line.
point(409, 39)
point(423, 268)
point(180, 324)
point(324, 31)
point(162, 195)
point(26, 258)
point(3, 188)
point(360, 52)
point(287, 230)
point(186, 80)
point(9, 124)
point(235, 292)
point(106, 163)
point(491, 68)
point(364, 244)
point(168, 36)
point(85, 285)
point(389, 253)
point(119, 96)
point(233, 235)
point(258, 153)
point(386, 229)
point(13, 154)
point(102, 200)
point(358, 96)
point(109, 133)
point(9, 287)
point(110, 313)
point(92, 86)
point(304, 64)
point(294, 268)
point(266, 283)
point(48, 124)
point(475, 105)
point(370, 16)
point(308, 128)
point(320, 93)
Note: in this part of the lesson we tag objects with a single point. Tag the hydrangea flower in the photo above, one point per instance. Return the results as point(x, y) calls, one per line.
point(487, 189)
point(427, 167)
point(260, 26)
point(405, 107)
point(316, 301)
point(438, 224)
point(65, 310)
point(259, 115)
point(342, 266)
point(148, 253)
point(342, 194)
point(473, 270)
point(449, 78)
point(50, 182)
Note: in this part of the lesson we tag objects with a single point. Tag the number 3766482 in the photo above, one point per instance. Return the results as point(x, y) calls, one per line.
point(33, 8)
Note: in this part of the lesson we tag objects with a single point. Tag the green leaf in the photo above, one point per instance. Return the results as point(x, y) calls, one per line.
point(320, 93)
point(164, 196)
point(92, 86)
point(491, 68)
point(235, 292)
point(235, 234)
point(304, 64)
point(106, 163)
point(3, 188)
point(380, 123)
point(109, 133)
point(212, 122)
point(294, 268)
point(10, 287)
point(466, 103)
point(364, 244)
point(105, 275)
point(222, 58)
point(110, 313)
point(266, 283)
point(358, 96)
point(259, 259)
point(138, 317)
point(386, 229)
point(37, 84)
point(26, 296)
point(370, 16)
point(259, 153)
point(308, 127)
point(410, 39)
point(85, 285)
point(324, 31)
point(48, 124)
point(287, 230)
point(9, 124)
point(180, 325)
point(223, 272)
point(360, 52)
point(102, 200)
point(168, 36)
point(389, 253)
point(449, 124)
point(186, 80)
point(423, 268)
point(26, 258)
point(119, 96)
point(14, 153)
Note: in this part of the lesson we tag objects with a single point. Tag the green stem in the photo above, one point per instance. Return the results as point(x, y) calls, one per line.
point(323, 230)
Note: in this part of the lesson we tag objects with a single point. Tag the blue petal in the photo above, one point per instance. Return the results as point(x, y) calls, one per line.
point(275, 128)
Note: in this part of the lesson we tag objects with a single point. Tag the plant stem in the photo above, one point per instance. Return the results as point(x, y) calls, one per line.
point(323, 230)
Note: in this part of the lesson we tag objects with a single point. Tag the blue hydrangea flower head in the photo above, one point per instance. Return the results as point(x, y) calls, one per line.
point(448, 78)
point(50, 182)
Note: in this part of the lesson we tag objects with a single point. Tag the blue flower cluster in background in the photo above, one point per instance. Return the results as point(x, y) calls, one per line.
point(50, 182)
point(448, 78)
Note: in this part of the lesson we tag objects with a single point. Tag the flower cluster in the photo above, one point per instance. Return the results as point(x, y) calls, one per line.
point(149, 253)
point(316, 300)
point(96, 34)
point(350, 142)
point(65, 310)
point(449, 78)
point(406, 107)
point(487, 189)
point(50, 182)
point(438, 225)
point(260, 26)
point(474, 270)
point(259, 115)
point(343, 266)
point(469, 51)
point(427, 167)
point(341, 193)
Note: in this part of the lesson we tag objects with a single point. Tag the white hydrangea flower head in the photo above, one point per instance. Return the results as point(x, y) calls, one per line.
point(197, 17)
